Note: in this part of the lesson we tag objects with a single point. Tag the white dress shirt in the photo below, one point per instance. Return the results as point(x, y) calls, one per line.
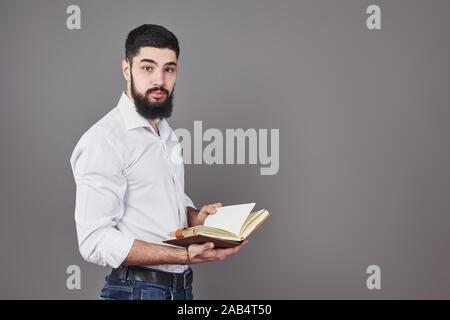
point(127, 186)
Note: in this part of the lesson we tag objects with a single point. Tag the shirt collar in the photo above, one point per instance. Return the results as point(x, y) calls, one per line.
point(132, 119)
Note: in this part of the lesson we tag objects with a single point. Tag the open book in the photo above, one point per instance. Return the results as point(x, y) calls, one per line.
point(227, 228)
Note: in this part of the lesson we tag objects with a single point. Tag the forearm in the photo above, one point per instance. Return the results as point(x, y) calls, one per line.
point(144, 253)
point(192, 215)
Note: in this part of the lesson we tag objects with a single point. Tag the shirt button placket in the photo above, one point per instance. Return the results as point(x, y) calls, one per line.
point(171, 174)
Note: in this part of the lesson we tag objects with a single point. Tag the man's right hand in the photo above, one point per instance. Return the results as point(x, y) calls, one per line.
point(200, 253)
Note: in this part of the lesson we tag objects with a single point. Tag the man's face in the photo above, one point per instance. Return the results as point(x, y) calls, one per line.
point(152, 81)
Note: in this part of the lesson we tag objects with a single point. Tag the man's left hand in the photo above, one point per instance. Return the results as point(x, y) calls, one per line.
point(198, 217)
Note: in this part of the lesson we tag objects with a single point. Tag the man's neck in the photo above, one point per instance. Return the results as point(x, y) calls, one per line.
point(153, 124)
point(151, 121)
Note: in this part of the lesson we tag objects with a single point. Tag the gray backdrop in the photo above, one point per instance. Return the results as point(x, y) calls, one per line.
point(364, 139)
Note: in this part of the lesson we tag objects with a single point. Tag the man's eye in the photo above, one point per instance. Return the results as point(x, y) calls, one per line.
point(170, 69)
point(149, 68)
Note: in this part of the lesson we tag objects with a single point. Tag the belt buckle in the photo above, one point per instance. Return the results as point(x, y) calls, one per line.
point(186, 278)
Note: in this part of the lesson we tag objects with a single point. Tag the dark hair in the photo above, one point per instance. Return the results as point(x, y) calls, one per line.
point(149, 35)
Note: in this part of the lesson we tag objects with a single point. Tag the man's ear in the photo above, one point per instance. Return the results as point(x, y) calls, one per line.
point(126, 70)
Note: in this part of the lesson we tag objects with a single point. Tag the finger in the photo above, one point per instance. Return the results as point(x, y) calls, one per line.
point(211, 209)
point(228, 251)
point(208, 246)
point(216, 205)
point(237, 248)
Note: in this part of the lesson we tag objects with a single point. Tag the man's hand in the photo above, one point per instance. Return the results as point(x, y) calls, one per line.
point(196, 217)
point(200, 253)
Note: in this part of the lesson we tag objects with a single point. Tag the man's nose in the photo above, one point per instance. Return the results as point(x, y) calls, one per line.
point(158, 79)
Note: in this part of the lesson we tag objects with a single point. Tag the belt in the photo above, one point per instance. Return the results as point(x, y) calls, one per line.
point(151, 275)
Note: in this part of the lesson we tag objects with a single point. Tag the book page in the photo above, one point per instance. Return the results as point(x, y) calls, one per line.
point(230, 218)
point(250, 219)
point(217, 233)
point(214, 231)
point(252, 224)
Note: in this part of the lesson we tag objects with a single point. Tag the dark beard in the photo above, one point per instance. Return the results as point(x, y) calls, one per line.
point(149, 110)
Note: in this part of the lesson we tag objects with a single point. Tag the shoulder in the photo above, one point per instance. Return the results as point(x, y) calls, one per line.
point(107, 136)
point(110, 126)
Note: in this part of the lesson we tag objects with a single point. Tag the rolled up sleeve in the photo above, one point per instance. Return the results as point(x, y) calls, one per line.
point(100, 188)
point(188, 202)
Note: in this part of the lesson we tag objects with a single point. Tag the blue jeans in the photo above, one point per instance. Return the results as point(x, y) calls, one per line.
point(121, 289)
